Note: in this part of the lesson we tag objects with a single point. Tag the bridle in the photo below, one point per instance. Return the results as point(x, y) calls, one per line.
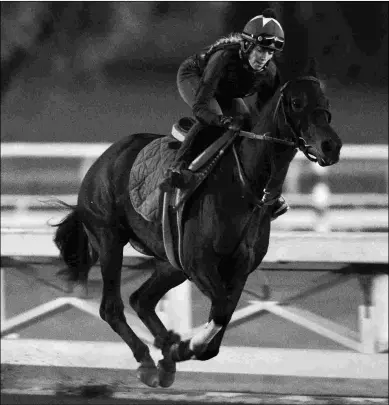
point(298, 140)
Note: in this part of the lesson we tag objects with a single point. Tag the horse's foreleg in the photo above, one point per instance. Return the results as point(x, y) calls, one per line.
point(112, 308)
point(144, 301)
point(213, 347)
point(206, 343)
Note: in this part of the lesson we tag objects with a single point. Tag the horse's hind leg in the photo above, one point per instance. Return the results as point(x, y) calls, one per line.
point(144, 301)
point(112, 308)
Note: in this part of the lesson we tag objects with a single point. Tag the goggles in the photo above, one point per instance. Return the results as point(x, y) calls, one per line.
point(275, 43)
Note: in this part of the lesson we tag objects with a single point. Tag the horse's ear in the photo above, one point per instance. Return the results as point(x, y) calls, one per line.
point(312, 66)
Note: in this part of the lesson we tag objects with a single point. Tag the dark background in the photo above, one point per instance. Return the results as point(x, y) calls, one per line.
point(96, 71)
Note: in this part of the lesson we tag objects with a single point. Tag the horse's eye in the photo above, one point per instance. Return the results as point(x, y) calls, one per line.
point(297, 104)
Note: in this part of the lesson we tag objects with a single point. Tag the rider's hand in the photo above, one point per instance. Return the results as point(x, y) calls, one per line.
point(233, 123)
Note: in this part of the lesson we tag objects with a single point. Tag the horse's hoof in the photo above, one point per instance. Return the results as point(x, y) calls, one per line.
point(148, 374)
point(166, 373)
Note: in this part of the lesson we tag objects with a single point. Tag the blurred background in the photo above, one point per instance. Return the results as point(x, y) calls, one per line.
point(96, 71)
point(93, 72)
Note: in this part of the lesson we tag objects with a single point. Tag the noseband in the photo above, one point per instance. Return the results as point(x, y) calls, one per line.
point(298, 140)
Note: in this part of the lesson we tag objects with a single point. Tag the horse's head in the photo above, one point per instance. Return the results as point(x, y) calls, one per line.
point(304, 108)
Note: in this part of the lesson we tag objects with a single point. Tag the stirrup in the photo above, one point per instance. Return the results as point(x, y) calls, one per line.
point(186, 123)
point(181, 128)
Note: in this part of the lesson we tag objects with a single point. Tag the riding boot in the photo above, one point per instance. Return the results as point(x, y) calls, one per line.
point(179, 175)
point(272, 193)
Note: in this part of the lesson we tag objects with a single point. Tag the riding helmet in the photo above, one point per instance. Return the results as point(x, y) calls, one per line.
point(265, 30)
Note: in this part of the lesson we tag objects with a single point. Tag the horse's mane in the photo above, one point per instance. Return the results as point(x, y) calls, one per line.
point(233, 38)
point(265, 115)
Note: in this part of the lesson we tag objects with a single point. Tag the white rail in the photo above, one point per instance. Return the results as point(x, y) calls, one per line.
point(338, 247)
point(320, 200)
point(23, 202)
point(93, 150)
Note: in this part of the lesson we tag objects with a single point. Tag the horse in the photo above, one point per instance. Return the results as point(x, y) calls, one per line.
point(225, 228)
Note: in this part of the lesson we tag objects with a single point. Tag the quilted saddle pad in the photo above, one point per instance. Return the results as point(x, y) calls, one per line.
point(146, 175)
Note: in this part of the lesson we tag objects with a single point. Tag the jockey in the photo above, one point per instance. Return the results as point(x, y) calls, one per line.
point(214, 84)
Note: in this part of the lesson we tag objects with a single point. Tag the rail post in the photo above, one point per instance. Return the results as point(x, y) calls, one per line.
point(175, 308)
point(380, 302)
point(2, 296)
point(321, 199)
point(373, 315)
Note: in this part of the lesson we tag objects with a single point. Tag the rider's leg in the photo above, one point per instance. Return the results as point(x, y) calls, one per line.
point(272, 193)
point(179, 175)
point(188, 81)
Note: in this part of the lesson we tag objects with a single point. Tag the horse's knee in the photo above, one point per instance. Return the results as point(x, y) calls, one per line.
point(141, 303)
point(138, 304)
point(112, 311)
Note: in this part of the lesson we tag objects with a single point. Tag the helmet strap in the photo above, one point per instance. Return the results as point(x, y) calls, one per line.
point(247, 47)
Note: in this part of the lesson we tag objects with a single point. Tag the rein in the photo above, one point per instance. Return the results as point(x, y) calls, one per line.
point(265, 137)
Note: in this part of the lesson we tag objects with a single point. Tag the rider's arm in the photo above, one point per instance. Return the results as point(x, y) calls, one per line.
point(207, 89)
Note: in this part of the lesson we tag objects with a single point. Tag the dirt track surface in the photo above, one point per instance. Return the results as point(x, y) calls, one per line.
point(56, 385)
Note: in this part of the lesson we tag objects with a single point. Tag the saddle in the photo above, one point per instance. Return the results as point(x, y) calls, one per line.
point(152, 162)
point(146, 175)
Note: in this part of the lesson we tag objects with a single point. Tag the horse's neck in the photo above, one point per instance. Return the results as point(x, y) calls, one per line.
point(258, 159)
point(255, 157)
point(266, 119)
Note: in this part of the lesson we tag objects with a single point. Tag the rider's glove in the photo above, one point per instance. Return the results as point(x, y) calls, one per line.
point(232, 123)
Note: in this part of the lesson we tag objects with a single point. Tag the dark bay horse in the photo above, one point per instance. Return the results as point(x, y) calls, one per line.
point(225, 229)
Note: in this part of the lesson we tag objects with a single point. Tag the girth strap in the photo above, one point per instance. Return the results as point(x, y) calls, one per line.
point(167, 232)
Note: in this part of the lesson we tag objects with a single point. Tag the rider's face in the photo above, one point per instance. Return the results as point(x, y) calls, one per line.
point(259, 57)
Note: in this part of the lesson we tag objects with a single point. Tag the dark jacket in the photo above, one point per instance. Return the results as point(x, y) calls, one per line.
point(226, 76)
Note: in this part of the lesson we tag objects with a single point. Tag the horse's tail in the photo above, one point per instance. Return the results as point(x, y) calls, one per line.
point(74, 246)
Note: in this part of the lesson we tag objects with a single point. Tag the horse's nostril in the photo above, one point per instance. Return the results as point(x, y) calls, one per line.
point(327, 146)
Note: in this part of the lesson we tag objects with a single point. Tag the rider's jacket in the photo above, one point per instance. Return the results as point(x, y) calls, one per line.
point(226, 75)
